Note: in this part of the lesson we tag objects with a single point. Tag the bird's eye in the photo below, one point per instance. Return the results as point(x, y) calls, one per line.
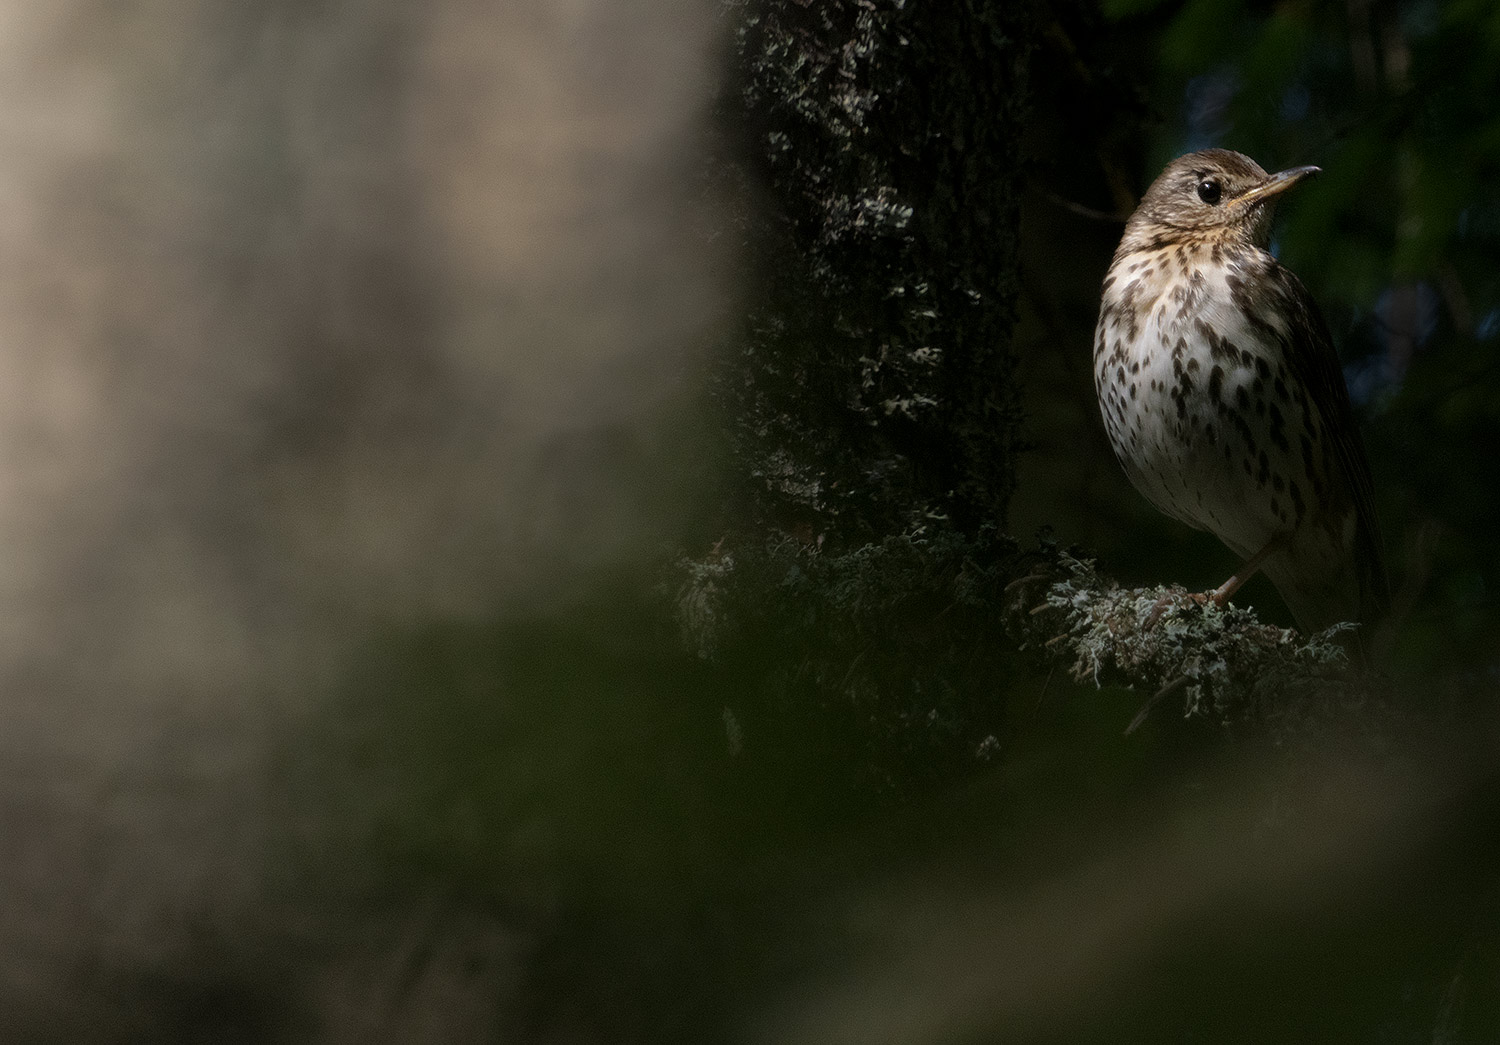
point(1209, 191)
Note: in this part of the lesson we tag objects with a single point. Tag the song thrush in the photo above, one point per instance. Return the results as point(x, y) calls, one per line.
point(1223, 396)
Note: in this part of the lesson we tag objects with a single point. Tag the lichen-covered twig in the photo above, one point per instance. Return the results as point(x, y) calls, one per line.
point(1225, 663)
point(895, 623)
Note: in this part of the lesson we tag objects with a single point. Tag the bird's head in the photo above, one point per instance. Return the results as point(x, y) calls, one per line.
point(1214, 193)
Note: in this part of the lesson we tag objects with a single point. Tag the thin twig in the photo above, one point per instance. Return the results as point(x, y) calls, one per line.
point(1045, 686)
point(1114, 218)
point(1171, 687)
point(1026, 580)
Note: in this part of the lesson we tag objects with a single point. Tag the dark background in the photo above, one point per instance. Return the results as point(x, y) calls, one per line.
point(504, 519)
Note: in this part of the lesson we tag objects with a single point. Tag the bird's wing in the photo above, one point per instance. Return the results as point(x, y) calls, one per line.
point(1315, 363)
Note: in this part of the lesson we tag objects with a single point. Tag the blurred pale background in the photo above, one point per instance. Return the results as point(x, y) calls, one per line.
point(313, 317)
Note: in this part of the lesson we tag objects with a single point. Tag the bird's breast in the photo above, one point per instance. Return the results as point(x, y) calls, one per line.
point(1197, 397)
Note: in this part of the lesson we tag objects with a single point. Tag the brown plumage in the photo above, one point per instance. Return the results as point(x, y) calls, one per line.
point(1223, 397)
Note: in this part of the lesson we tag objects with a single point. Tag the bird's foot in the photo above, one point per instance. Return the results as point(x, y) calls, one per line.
point(1174, 596)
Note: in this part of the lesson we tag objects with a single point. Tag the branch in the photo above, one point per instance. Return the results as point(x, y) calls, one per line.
point(889, 624)
point(1226, 663)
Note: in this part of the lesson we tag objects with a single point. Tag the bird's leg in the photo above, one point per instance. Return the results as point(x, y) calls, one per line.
point(1220, 595)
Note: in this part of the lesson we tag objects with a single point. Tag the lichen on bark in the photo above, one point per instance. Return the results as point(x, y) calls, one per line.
point(877, 148)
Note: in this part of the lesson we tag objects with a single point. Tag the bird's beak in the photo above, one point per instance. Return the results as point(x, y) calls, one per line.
point(1275, 185)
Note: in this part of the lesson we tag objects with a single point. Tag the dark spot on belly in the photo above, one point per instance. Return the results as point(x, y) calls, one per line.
point(1278, 430)
point(1243, 428)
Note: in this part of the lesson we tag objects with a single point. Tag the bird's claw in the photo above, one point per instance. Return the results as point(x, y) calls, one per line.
point(1175, 595)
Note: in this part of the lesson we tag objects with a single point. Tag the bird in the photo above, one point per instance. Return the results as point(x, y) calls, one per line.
point(1223, 397)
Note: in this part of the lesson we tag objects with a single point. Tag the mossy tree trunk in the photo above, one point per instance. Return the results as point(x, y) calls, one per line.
point(874, 390)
